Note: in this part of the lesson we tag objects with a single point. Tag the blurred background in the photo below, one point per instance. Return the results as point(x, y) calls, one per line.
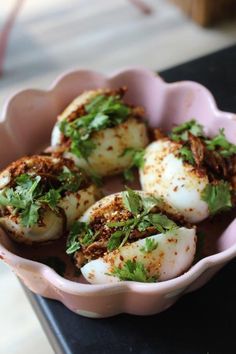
point(49, 37)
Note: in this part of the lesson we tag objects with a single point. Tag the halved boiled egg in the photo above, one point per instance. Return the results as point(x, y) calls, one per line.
point(41, 196)
point(193, 173)
point(171, 256)
point(177, 182)
point(96, 130)
point(131, 236)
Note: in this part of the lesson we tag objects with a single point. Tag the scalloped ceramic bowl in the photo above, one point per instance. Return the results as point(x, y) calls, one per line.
point(25, 128)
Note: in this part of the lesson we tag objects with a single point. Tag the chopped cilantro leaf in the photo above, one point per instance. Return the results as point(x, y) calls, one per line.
point(9, 197)
point(71, 181)
point(217, 196)
point(82, 148)
point(99, 122)
point(137, 160)
point(95, 104)
point(23, 198)
point(4, 201)
point(221, 144)
point(30, 215)
point(27, 186)
point(137, 156)
point(132, 201)
point(51, 198)
point(73, 244)
point(89, 236)
point(25, 181)
point(80, 235)
point(149, 202)
point(134, 271)
point(121, 223)
point(150, 245)
point(126, 235)
point(101, 112)
point(180, 132)
point(143, 224)
point(109, 105)
point(186, 154)
point(161, 222)
point(140, 206)
point(115, 240)
point(128, 175)
point(30, 194)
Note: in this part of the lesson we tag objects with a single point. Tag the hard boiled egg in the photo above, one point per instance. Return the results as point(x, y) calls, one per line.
point(161, 255)
point(172, 256)
point(110, 141)
point(41, 196)
point(177, 182)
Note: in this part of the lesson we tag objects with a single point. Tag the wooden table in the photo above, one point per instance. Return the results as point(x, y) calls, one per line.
point(201, 322)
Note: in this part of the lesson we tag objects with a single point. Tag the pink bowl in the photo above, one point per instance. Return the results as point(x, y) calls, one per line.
point(25, 128)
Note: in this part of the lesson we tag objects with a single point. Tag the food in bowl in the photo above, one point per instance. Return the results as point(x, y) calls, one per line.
point(100, 132)
point(193, 173)
point(131, 236)
point(41, 196)
point(165, 104)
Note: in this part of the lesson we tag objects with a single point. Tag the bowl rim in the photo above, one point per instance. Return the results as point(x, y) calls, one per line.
point(75, 288)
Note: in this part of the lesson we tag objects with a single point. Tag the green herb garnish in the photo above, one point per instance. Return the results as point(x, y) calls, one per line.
point(137, 160)
point(180, 132)
point(73, 243)
point(80, 235)
point(30, 195)
point(102, 112)
point(132, 201)
point(30, 215)
point(51, 198)
point(115, 240)
point(221, 145)
point(186, 155)
point(89, 237)
point(217, 196)
point(128, 175)
point(70, 180)
point(25, 198)
point(150, 245)
point(140, 207)
point(161, 222)
point(134, 271)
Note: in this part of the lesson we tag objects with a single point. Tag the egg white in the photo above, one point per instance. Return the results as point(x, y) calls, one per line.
point(110, 143)
point(173, 256)
point(54, 223)
point(178, 183)
point(51, 229)
point(174, 253)
point(75, 204)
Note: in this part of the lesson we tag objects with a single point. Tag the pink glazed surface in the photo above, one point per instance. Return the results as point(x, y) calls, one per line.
point(25, 128)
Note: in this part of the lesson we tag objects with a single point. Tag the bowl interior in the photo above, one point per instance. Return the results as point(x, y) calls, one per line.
point(31, 114)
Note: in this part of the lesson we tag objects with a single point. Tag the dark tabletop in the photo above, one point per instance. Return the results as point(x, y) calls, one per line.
point(203, 322)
